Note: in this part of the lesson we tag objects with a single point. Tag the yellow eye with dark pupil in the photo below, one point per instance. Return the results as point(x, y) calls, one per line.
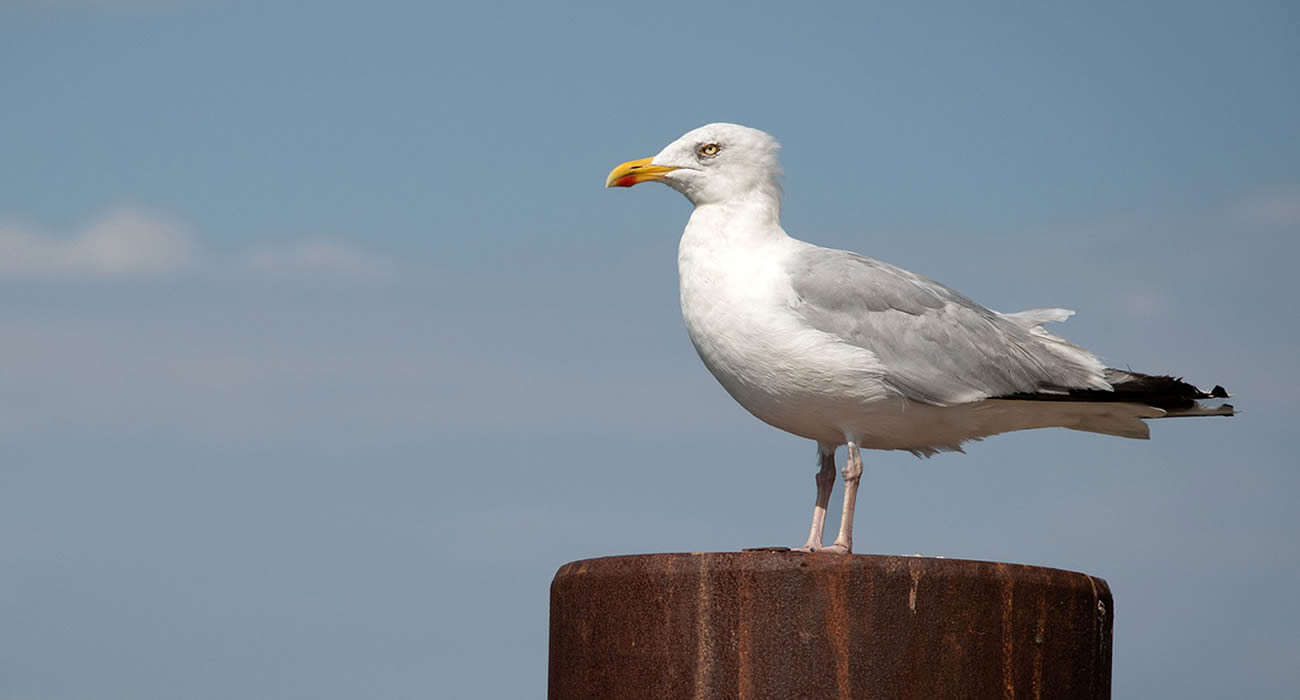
point(709, 149)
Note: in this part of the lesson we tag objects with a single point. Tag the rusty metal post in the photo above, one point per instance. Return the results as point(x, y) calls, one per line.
point(789, 625)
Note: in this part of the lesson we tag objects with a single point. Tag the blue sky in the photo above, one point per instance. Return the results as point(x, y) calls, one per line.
point(323, 346)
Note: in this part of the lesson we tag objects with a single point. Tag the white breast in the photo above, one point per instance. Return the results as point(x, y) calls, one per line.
point(737, 304)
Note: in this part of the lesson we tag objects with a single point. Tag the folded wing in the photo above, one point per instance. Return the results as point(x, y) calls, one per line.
point(936, 346)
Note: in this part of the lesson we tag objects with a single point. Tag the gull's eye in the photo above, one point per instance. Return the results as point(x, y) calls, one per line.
point(709, 149)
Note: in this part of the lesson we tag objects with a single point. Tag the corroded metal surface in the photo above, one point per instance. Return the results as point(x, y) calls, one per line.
point(790, 625)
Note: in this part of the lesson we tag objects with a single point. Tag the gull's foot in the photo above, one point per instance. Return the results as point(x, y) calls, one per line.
point(766, 549)
point(832, 549)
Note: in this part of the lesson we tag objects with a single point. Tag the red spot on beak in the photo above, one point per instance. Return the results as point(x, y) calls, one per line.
point(626, 181)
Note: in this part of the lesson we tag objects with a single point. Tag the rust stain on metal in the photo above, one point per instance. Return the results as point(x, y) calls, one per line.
point(1008, 639)
point(745, 640)
point(789, 625)
point(916, 583)
point(665, 596)
point(1105, 621)
point(837, 629)
point(704, 651)
point(1040, 632)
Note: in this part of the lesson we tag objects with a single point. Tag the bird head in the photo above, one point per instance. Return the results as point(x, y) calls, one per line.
point(711, 164)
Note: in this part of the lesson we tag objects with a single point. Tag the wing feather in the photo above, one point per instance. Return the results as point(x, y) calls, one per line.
point(936, 345)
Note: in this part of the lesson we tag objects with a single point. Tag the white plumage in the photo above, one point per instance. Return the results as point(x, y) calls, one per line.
point(846, 350)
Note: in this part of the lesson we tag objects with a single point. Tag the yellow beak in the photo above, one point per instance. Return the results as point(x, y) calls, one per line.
point(636, 171)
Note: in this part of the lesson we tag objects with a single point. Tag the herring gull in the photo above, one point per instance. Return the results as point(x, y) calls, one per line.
point(846, 350)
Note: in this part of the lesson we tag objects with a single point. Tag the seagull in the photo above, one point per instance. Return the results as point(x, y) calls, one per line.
point(842, 349)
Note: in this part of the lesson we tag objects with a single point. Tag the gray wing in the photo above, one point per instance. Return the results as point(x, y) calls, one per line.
point(936, 345)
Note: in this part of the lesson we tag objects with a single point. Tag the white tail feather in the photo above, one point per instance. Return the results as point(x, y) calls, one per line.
point(1119, 419)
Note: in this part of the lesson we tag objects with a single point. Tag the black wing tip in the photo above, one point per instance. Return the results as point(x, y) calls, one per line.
point(1175, 386)
point(1158, 390)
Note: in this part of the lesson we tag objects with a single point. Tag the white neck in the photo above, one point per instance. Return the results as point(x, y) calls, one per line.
point(748, 219)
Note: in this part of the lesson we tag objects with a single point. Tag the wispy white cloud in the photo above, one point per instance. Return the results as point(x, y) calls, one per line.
point(134, 244)
point(312, 260)
point(1280, 208)
point(126, 243)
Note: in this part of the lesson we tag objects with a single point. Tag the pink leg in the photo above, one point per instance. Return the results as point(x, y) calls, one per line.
point(825, 481)
point(852, 475)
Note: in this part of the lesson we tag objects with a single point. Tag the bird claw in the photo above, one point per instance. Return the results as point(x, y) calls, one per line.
point(831, 549)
